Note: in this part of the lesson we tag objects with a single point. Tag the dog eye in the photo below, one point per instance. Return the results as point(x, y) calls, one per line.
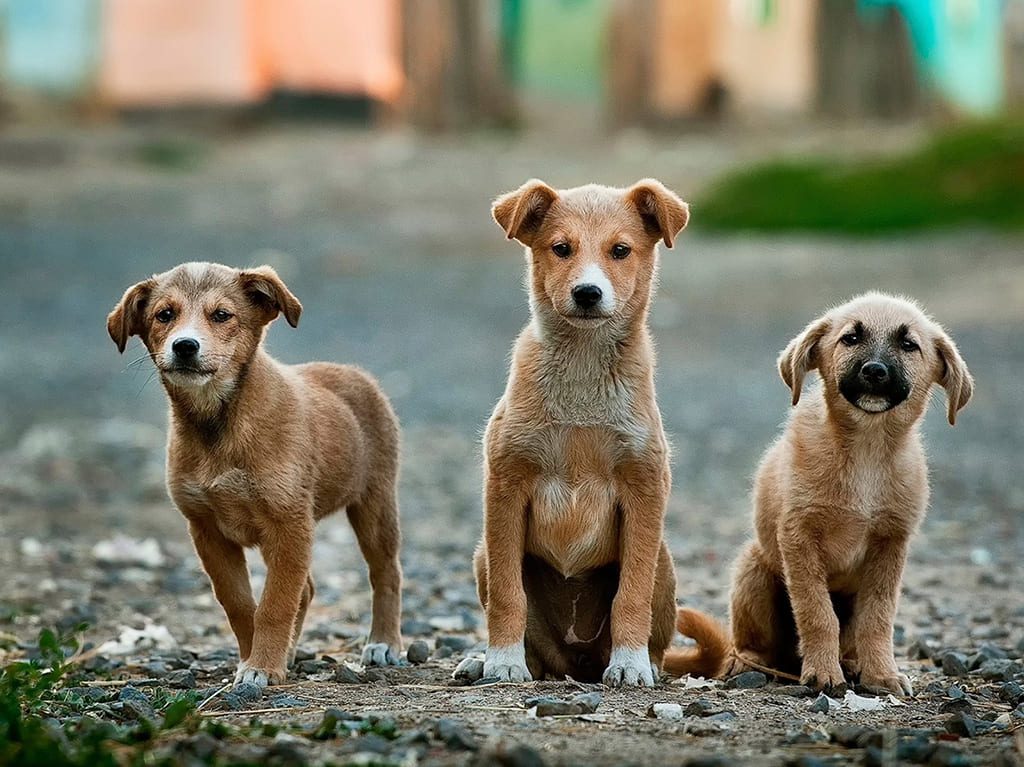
point(561, 249)
point(165, 315)
point(850, 339)
point(909, 346)
point(621, 250)
point(220, 315)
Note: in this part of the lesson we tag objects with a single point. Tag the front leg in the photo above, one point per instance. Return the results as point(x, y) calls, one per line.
point(645, 490)
point(224, 563)
point(875, 611)
point(504, 544)
point(800, 540)
point(287, 549)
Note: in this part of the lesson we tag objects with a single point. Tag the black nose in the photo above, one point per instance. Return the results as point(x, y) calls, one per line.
point(586, 296)
point(185, 347)
point(874, 372)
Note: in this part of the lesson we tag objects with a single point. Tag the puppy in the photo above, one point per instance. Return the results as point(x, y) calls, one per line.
point(259, 452)
point(836, 500)
point(572, 570)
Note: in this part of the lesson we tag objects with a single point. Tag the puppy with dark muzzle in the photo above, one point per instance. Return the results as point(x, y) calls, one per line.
point(836, 501)
point(259, 452)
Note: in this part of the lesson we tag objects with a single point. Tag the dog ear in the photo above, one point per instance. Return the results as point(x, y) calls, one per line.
point(663, 213)
point(268, 292)
point(520, 213)
point(953, 376)
point(801, 355)
point(126, 319)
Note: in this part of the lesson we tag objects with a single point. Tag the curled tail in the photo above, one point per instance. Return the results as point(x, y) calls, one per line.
point(709, 657)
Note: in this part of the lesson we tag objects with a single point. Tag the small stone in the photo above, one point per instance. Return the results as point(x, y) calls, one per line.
point(956, 705)
point(702, 728)
point(820, 705)
point(721, 716)
point(286, 701)
point(701, 707)
point(303, 653)
point(486, 680)
point(964, 725)
point(345, 675)
point(202, 745)
point(954, 663)
point(312, 666)
point(919, 650)
point(955, 692)
point(583, 703)
point(748, 680)
point(182, 679)
point(247, 692)
point(136, 702)
point(156, 668)
point(442, 652)
point(794, 691)
point(668, 711)
point(1012, 693)
point(418, 652)
point(851, 736)
point(947, 755)
point(999, 670)
point(370, 743)
point(454, 735)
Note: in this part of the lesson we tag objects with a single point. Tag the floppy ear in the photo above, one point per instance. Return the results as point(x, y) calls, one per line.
point(801, 355)
point(126, 319)
point(953, 376)
point(520, 213)
point(268, 292)
point(663, 213)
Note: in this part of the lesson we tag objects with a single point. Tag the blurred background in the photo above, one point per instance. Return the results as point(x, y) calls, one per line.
point(826, 148)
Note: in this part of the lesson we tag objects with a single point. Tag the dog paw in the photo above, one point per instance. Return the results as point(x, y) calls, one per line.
point(507, 664)
point(889, 680)
point(823, 675)
point(379, 654)
point(469, 670)
point(260, 677)
point(630, 668)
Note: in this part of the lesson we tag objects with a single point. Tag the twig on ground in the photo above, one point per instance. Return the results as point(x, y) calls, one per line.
point(213, 695)
point(765, 669)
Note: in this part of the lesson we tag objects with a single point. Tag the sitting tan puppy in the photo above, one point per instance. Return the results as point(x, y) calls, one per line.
point(260, 451)
point(572, 571)
point(836, 501)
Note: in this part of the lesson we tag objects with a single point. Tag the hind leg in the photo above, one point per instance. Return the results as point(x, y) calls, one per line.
point(300, 619)
point(753, 611)
point(663, 609)
point(375, 522)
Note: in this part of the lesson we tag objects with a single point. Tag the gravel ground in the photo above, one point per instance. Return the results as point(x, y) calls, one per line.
point(387, 241)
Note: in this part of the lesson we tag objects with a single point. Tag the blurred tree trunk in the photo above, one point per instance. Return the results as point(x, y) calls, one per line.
point(628, 41)
point(452, 53)
point(865, 63)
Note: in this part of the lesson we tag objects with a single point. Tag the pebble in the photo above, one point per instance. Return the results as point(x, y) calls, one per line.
point(247, 692)
point(748, 680)
point(954, 663)
point(956, 705)
point(313, 666)
point(486, 680)
point(1012, 693)
point(418, 652)
point(442, 652)
point(966, 726)
point(702, 707)
point(181, 679)
point(820, 705)
point(455, 735)
point(303, 653)
point(285, 701)
point(668, 711)
point(702, 728)
point(202, 745)
point(582, 703)
point(794, 691)
point(999, 670)
point(345, 675)
point(136, 702)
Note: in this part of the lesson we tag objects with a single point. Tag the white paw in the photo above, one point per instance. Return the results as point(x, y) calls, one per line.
point(247, 674)
point(379, 654)
point(629, 668)
point(507, 664)
point(469, 669)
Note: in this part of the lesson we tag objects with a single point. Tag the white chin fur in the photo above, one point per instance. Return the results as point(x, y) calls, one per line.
point(585, 322)
point(195, 380)
point(872, 403)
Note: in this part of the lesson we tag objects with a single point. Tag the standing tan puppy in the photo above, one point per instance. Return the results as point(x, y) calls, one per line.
point(259, 452)
point(572, 570)
point(836, 500)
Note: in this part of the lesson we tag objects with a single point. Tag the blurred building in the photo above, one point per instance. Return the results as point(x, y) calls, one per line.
point(454, 63)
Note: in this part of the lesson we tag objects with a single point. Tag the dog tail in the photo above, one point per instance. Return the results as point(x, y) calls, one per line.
point(709, 657)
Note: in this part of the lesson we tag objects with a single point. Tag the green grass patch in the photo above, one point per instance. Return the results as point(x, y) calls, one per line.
point(971, 176)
